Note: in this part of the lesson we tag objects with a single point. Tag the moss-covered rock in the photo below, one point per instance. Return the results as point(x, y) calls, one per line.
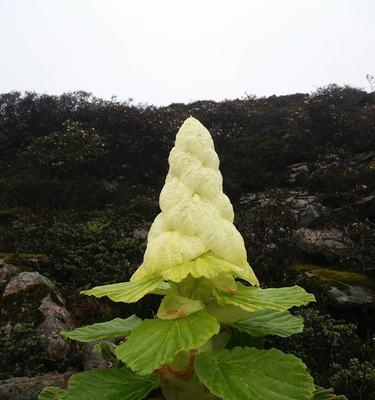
point(32, 314)
point(29, 388)
point(333, 277)
point(20, 259)
point(23, 296)
point(350, 294)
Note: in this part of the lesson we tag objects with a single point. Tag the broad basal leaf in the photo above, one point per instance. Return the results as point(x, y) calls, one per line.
point(326, 394)
point(116, 328)
point(109, 384)
point(254, 299)
point(270, 322)
point(156, 342)
point(127, 292)
point(51, 393)
point(251, 374)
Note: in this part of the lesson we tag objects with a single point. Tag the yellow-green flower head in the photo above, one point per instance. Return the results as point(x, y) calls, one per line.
point(194, 233)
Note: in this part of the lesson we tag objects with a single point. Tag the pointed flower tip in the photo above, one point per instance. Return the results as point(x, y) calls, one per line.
point(192, 121)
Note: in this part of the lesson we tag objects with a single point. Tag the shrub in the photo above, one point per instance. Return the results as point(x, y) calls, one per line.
point(334, 354)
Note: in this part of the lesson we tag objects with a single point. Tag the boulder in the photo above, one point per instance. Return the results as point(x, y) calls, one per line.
point(306, 207)
point(254, 199)
point(29, 388)
point(31, 298)
point(56, 319)
point(328, 243)
point(349, 294)
point(23, 296)
point(6, 272)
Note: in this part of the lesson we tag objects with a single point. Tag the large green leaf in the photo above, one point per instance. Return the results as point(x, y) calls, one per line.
point(270, 322)
point(254, 299)
point(326, 394)
point(116, 328)
point(109, 384)
point(127, 292)
point(51, 393)
point(155, 342)
point(250, 374)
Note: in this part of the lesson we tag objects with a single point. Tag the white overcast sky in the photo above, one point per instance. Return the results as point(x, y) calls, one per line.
point(164, 51)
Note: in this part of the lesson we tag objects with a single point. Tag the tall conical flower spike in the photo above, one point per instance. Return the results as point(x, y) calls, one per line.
point(194, 233)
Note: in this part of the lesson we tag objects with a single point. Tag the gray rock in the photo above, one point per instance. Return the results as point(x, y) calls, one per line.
point(26, 280)
point(30, 297)
point(6, 272)
point(328, 243)
point(351, 296)
point(348, 293)
point(307, 208)
point(56, 319)
point(259, 199)
point(29, 388)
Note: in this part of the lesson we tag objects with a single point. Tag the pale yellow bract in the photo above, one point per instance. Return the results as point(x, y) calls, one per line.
point(194, 233)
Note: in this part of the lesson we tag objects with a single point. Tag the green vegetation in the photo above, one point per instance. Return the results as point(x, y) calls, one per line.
point(78, 195)
point(194, 255)
point(335, 354)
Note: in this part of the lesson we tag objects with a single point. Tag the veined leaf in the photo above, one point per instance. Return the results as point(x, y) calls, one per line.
point(174, 306)
point(270, 322)
point(254, 299)
point(208, 266)
point(109, 384)
point(326, 394)
point(226, 313)
point(156, 342)
point(51, 393)
point(250, 374)
point(127, 292)
point(116, 328)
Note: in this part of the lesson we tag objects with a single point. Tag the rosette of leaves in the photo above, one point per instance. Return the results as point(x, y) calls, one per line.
point(205, 342)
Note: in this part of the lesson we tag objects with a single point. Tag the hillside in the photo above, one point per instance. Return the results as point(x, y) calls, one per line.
point(79, 185)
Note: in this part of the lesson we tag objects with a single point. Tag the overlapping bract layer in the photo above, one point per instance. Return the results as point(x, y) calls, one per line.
point(194, 233)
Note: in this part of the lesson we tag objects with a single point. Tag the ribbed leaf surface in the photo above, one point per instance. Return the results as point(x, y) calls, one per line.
point(127, 292)
point(327, 394)
point(51, 393)
point(155, 342)
point(270, 322)
point(254, 299)
point(115, 328)
point(250, 374)
point(108, 384)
